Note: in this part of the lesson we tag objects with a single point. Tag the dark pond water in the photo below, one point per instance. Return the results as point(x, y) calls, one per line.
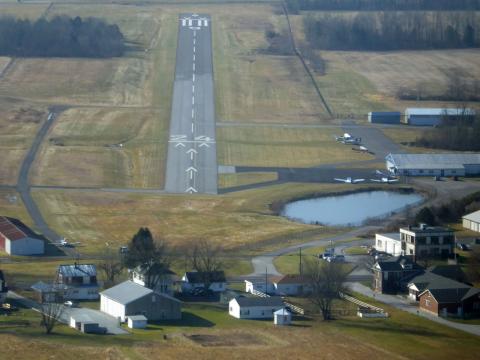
point(352, 209)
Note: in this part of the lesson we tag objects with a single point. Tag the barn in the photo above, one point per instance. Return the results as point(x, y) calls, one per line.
point(128, 298)
point(17, 239)
point(472, 221)
point(467, 164)
point(433, 117)
point(384, 117)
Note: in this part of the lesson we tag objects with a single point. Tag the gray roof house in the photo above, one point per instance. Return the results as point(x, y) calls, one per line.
point(243, 307)
point(80, 281)
point(129, 298)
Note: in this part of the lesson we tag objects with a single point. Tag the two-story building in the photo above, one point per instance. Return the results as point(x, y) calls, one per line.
point(197, 279)
point(427, 241)
point(391, 275)
point(80, 281)
point(3, 288)
point(163, 280)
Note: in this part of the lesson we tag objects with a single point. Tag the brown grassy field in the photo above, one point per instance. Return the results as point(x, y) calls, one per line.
point(11, 205)
point(83, 149)
point(239, 179)
point(284, 147)
point(28, 11)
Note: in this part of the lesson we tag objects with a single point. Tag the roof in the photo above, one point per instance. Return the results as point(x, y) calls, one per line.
point(427, 229)
point(475, 216)
point(197, 277)
point(433, 161)
point(431, 281)
point(283, 311)
point(137, 317)
point(126, 292)
point(78, 270)
point(396, 263)
point(454, 295)
point(439, 111)
point(453, 272)
point(83, 318)
point(385, 113)
point(259, 301)
point(11, 230)
point(393, 236)
point(290, 279)
point(44, 287)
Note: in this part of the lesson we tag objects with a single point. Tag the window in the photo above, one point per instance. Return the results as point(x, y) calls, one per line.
point(379, 242)
point(427, 303)
point(434, 240)
point(420, 171)
point(154, 298)
point(421, 240)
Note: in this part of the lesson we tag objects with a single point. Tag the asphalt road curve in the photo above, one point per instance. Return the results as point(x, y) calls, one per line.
point(192, 153)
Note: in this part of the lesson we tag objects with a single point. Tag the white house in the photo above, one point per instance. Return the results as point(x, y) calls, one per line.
point(472, 221)
point(164, 281)
point(254, 307)
point(17, 239)
point(291, 285)
point(128, 298)
point(196, 279)
point(282, 317)
point(389, 243)
point(264, 286)
point(80, 281)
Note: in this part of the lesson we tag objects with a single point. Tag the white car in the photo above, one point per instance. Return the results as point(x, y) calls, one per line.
point(68, 303)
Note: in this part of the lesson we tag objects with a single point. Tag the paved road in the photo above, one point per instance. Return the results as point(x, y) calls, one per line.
point(192, 155)
point(404, 304)
point(23, 184)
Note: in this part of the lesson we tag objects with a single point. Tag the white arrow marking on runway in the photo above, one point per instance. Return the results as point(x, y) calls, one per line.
point(204, 144)
point(191, 190)
point(179, 144)
point(192, 153)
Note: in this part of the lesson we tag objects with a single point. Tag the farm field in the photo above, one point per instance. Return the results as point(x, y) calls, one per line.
point(30, 11)
point(104, 147)
point(282, 147)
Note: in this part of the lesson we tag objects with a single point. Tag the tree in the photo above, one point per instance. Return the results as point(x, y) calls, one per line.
point(205, 258)
point(473, 269)
point(51, 313)
point(425, 216)
point(148, 257)
point(326, 280)
point(111, 265)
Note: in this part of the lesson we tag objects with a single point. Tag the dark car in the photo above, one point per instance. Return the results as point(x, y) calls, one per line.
point(463, 247)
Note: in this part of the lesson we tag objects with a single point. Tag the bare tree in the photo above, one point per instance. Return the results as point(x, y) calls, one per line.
point(111, 265)
point(205, 257)
point(51, 313)
point(326, 280)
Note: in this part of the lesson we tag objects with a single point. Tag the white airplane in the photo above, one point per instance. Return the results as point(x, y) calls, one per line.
point(384, 180)
point(349, 180)
point(63, 242)
point(361, 149)
point(346, 136)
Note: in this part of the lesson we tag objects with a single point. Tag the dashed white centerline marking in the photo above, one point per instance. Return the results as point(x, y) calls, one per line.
point(192, 127)
point(194, 40)
point(193, 113)
point(193, 88)
point(194, 49)
point(193, 100)
point(193, 57)
point(193, 77)
point(193, 66)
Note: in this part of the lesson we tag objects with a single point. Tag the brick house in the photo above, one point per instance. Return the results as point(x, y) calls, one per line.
point(454, 301)
point(391, 275)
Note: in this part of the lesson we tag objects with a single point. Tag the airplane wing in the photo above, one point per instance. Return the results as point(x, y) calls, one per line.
point(375, 180)
point(342, 180)
point(392, 180)
point(358, 180)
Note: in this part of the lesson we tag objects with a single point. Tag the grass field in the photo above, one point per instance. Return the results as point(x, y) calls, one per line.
point(232, 180)
point(30, 11)
point(284, 147)
point(11, 205)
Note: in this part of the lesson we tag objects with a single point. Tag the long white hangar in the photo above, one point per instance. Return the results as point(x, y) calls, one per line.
point(434, 164)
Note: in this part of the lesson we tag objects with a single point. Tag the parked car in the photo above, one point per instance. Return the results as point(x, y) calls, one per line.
point(462, 247)
point(68, 303)
point(336, 258)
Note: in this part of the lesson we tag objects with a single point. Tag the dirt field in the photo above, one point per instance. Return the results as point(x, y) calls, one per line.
point(104, 147)
point(283, 147)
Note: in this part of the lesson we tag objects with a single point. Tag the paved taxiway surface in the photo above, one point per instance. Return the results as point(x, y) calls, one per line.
point(192, 154)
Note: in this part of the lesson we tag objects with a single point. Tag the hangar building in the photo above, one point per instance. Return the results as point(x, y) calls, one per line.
point(433, 164)
point(432, 117)
point(17, 239)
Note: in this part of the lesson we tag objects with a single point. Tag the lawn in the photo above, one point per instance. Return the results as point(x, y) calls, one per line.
point(282, 147)
point(356, 250)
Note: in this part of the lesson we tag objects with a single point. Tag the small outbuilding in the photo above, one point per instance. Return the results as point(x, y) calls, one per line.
point(137, 322)
point(17, 239)
point(84, 323)
point(282, 317)
point(472, 221)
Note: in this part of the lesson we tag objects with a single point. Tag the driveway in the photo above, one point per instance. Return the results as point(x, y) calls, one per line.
point(103, 320)
point(402, 303)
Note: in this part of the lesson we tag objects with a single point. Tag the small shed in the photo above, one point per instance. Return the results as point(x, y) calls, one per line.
point(282, 317)
point(84, 323)
point(384, 117)
point(137, 322)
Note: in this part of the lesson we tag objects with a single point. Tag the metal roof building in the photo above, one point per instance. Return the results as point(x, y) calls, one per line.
point(17, 239)
point(433, 116)
point(433, 164)
point(472, 221)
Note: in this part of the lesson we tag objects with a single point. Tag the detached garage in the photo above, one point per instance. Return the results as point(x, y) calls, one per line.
point(128, 298)
point(17, 239)
point(472, 221)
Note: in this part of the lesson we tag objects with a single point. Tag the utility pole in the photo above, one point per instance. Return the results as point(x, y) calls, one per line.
point(300, 263)
point(266, 279)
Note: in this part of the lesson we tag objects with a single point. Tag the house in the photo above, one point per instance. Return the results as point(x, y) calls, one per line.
point(17, 239)
point(196, 279)
point(3, 288)
point(49, 292)
point(391, 275)
point(461, 301)
point(472, 221)
point(291, 285)
point(434, 116)
point(80, 281)
point(389, 243)
point(262, 285)
point(137, 322)
point(431, 281)
point(384, 117)
point(457, 164)
point(254, 307)
point(282, 317)
point(128, 298)
point(427, 241)
point(165, 280)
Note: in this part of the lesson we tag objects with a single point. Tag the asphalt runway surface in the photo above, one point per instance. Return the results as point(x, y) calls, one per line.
point(192, 154)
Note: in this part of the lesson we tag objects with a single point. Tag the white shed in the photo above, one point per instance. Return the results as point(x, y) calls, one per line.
point(137, 322)
point(282, 317)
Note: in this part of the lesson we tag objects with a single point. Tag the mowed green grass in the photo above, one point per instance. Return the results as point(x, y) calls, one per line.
point(284, 147)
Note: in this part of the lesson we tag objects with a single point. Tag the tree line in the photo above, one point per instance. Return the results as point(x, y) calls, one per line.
point(383, 31)
point(381, 5)
point(460, 133)
point(60, 37)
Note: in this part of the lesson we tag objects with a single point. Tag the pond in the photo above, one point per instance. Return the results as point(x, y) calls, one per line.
point(352, 209)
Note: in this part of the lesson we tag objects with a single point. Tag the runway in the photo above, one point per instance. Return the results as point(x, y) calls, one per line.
point(192, 153)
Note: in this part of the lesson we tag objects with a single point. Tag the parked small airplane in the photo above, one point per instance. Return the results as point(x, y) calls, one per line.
point(63, 242)
point(361, 149)
point(348, 139)
point(384, 180)
point(349, 180)
point(345, 136)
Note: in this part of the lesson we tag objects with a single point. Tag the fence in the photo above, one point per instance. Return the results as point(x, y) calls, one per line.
point(365, 309)
point(294, 308)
